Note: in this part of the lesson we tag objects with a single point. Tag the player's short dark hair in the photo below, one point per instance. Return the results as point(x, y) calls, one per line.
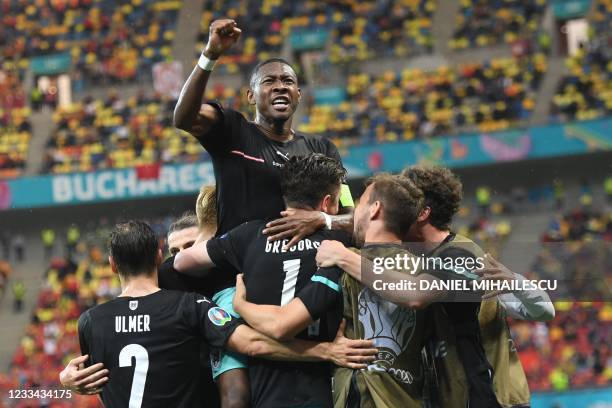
point(401, 200)
point(187, 220)
point(257, 67)
point(306, 180)
point(443, 192)
point(133, 247)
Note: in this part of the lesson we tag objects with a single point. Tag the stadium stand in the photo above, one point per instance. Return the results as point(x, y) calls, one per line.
point(51, 338)
point(117, 133)
point(484, 22)
point(586, 93)
point(15, 127)
point(357, 28)
point(573, 350)
point(108, 41)
point(492, 95)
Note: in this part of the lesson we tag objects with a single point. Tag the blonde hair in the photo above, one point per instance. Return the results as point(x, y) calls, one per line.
point(206, 207)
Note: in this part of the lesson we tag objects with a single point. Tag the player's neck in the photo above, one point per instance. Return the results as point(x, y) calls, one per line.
point(138, 286)
point(434, 235)
point(377, 234)
point(279, 131)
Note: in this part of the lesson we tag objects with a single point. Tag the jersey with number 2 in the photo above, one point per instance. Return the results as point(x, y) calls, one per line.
point(150, 345)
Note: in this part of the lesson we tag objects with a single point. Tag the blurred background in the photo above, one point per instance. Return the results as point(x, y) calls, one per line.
point(514, 95)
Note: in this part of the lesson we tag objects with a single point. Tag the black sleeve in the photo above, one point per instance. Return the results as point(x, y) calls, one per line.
point(332, 150)
point(323, 292)
point(227, 251)
point(214, 324)
point(84, 327)
point(226, 134)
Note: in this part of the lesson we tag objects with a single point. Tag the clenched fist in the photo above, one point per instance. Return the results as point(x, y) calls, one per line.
point(222, 35)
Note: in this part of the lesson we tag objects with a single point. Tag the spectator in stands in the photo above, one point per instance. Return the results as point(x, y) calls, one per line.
point(608, 189)
point(19, 291)
point(5, 243)
point(483, 198)
point(73, 234)
point(559, 193)
point(5, 273)
point(48, 239)
point(36, 97)
point(19, 246)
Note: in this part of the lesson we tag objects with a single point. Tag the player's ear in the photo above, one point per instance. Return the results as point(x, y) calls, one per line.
point(299, 94)
point(251, 96)
point(375, 209)
point(424, 215)
point(113, 266)
point(327, 203)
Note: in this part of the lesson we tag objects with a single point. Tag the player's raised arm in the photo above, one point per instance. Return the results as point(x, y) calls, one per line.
point(190, 114)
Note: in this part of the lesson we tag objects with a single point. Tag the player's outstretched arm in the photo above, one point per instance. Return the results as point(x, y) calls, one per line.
point(277, 322)
point(84, 381)
point(190, 114)
point(194, 260)
point(334, 253)
point(296, 224)
point(532, 305)
point(342, 351)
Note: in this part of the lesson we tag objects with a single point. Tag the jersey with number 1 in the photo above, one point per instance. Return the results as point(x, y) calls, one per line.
point(274, 276)
point(150, 345)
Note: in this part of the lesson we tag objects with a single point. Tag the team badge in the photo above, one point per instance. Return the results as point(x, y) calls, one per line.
point(133, 304)
point(218, 316)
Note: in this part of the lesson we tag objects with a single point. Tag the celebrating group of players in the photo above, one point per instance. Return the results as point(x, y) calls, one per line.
point(272, 309)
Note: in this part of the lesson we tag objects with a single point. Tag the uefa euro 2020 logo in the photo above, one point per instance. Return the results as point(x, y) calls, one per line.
point(390, 327)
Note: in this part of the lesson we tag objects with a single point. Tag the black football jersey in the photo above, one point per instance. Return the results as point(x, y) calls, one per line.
point(274, 277)
point(246, 165)
point(151, 344)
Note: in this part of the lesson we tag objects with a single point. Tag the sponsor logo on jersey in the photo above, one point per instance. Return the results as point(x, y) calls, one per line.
point(202, 301)
point(218, 316)
point(215, 358)
point(133, 304)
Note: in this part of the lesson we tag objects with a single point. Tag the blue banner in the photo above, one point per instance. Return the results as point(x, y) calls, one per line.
point(481, 149)
point(109, 185)
point(590, 398)
point(304, 40)
point(333, 95)
point(51, 64)
point(567, 9)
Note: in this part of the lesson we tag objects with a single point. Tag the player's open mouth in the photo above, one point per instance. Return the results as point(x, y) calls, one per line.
point(280, 102)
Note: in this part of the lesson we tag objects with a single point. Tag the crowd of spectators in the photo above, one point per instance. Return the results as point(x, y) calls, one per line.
point(488, 96)
point(117, 133)
point(15, 127)
point(586, 93)
point(489, 22)
point(573, 350)
point(51, 338)
point(356, 30)
point(107, 40)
